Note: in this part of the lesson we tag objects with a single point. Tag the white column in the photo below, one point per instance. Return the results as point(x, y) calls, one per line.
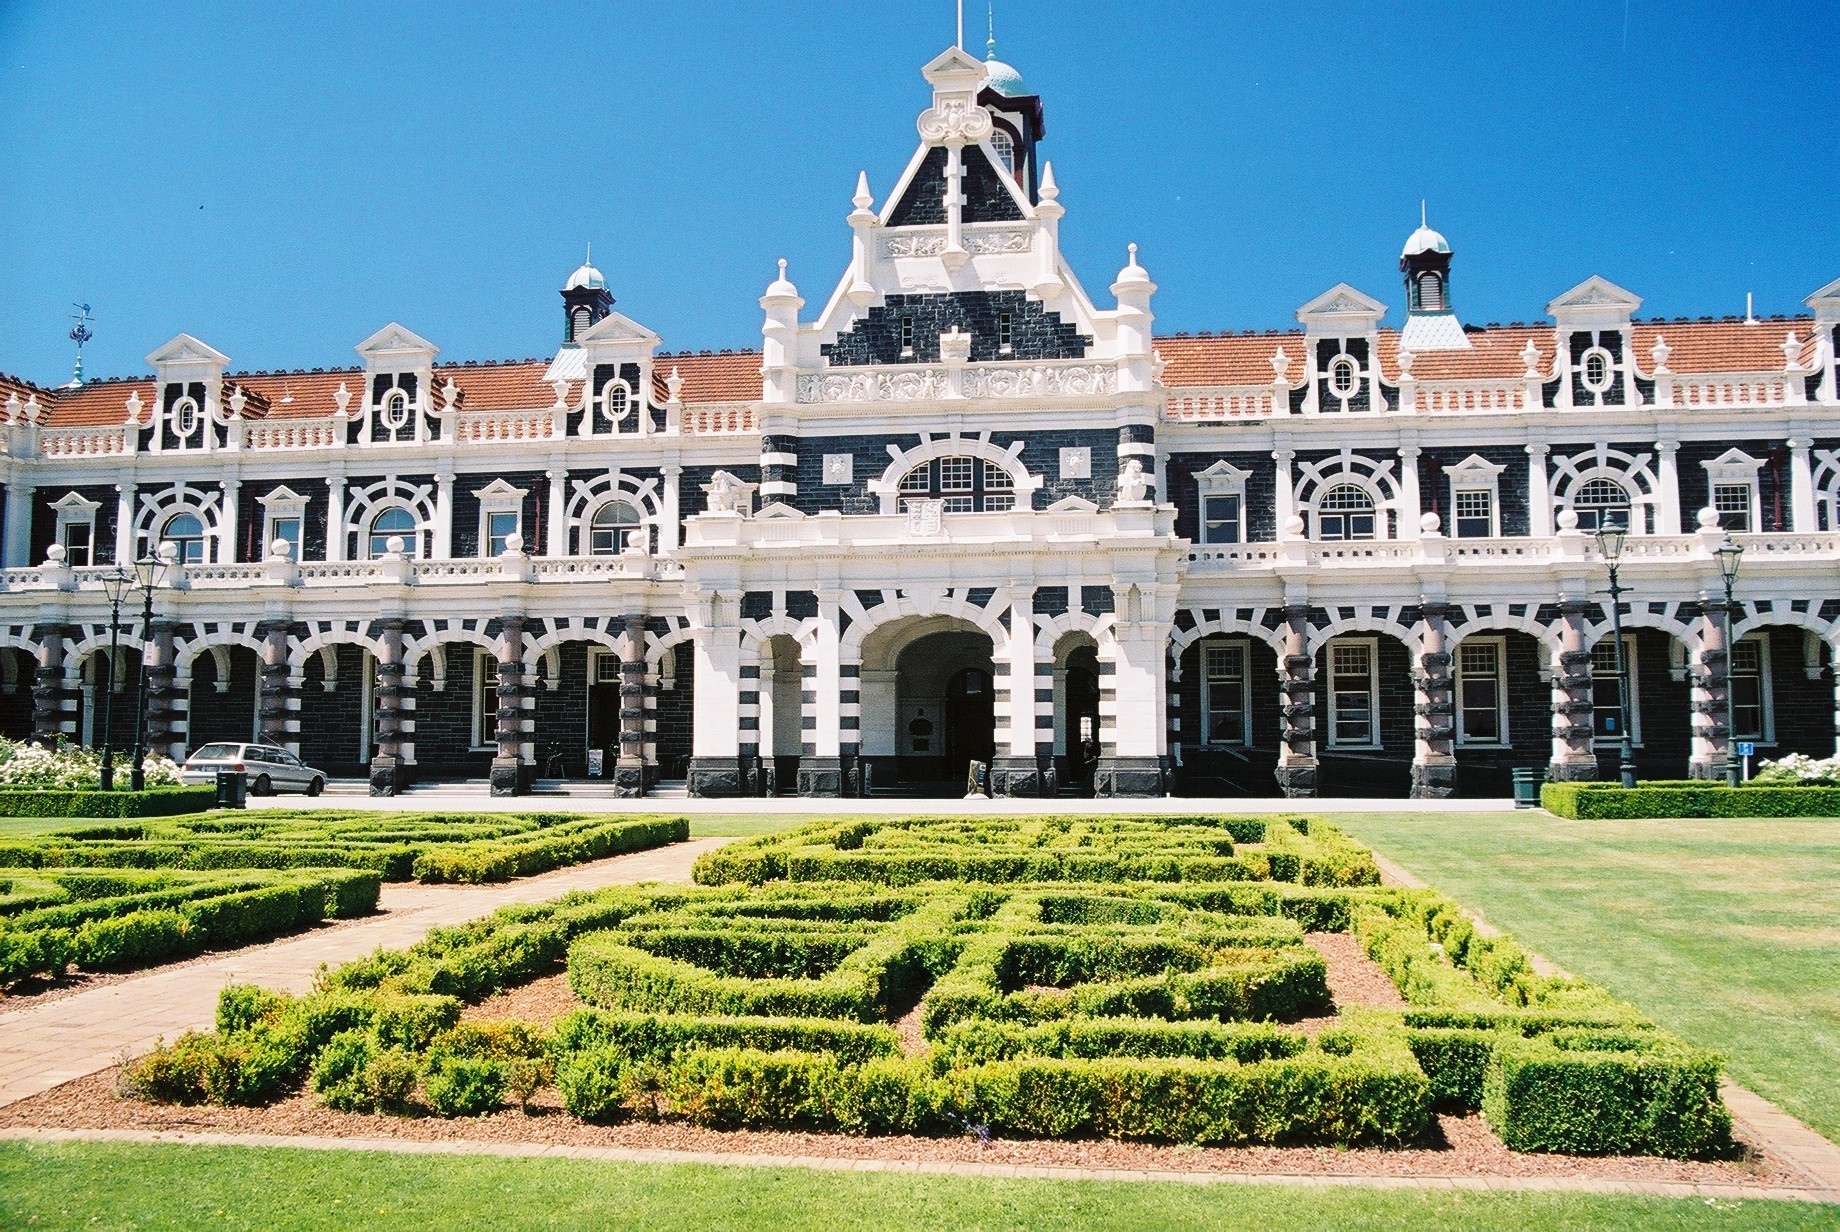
point(718, 680)
point(827, 652)
point(444, 516)
point(558, 544)
point(1539, 493)
point(1801, 486)
point(1022, 674)
point(1284, 502)
point(1667, 505)
point(227, 523)
point(124, 524)
point(1410, 505)
point(19, 524)
point(667, 510)
point(335, 516)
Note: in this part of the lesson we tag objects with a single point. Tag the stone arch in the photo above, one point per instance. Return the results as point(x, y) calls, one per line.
point(300, 649)
point(1632, 471)
point(1007, 458)
point(364, 504)
point(587, 496)
point(159, 506)
point(1372, 475)
point(948, 604)
point(218, 639)
point(1363, 622)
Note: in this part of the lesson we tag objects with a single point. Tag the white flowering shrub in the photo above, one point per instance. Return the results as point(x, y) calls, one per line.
point(72, 768)
point(1799, 769)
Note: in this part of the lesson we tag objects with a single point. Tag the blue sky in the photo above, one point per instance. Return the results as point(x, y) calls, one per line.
point(283, 179)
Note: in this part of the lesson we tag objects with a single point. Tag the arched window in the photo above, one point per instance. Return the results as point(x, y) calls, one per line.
point(579, 320)
point(1005, 146)
point(616, 400)
point(395, 414)
point(395, 520)
point(966, 485)
point(608, 529)
point(1344, 513)
point(185, 532)
point(1601, 503)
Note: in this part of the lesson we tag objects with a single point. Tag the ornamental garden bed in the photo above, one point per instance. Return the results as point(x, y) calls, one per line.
point(1187, 997)
point(428, 847)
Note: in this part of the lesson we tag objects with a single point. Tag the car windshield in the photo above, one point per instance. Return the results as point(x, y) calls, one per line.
point(216, 752)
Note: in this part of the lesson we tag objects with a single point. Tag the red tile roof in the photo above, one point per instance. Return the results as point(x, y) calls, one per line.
point(723, 376)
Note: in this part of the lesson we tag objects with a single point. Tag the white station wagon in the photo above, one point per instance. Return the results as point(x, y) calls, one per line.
point(269, 769)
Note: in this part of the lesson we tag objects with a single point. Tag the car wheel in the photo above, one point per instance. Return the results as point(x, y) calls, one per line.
point(316, 786)
point(261, 787)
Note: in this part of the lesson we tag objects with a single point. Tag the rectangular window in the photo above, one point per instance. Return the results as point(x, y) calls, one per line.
point(955, 474)
point(606, 667)
point(1732, 502)
point(1750, 690)
point(1475, 514)
point(77, 538)
point(1353, 695)
point(499, 527)
point(1225, 702)
point(1004, 337)
point(907, 335)
point(1220, 519)
point(485, 700)
point(1607, 692)
point(1482, 692)
point(284, 528)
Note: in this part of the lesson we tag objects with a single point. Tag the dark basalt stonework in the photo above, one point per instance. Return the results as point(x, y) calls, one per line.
point(1035, 332)
point(1435, 781)
point(1129, 776)
point(1296, 781)
point(986, 197)
point(628, 780)
point(1016, 777)
point(714, 777)
point(821, 776)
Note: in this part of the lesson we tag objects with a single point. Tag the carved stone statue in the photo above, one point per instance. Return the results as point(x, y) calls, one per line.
point(1133, 487)
point(724, 493)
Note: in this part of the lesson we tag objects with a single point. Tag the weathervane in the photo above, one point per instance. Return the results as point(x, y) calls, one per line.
point(80, 334)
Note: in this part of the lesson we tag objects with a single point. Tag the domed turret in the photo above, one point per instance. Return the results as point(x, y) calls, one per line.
point(1001, 77)
point(585, 300)
point(1431, 323)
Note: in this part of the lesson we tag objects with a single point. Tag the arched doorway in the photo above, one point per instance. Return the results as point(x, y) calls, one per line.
point(928, 705)
point(781, 714)
point(1076, 713)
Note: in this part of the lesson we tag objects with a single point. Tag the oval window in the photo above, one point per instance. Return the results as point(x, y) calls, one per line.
point(1344, 376)
point(185, 417)
point(616, 400)
point(396, 410)
point(1598, 367)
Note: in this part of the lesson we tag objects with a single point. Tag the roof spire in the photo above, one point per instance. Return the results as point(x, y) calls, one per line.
point(1421, 213)
point(961, 25)
point(990, 45)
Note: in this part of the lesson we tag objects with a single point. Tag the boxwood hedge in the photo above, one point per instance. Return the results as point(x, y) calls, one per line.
point(1614, 802)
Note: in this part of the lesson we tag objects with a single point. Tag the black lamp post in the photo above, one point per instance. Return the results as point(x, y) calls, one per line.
point(146, 576)
point(117, 586)
point(1730, 555)
point(1610, 536)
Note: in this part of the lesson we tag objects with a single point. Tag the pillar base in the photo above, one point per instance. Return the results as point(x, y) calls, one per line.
point(713, 777)
point(508, 778)
point(1434, 780)
point(1567, 770)
point(388, 776)
point(821, 776)
point(1710, 771)
point(1016, 776)
point(1297, 780)
point(1128, 776)
point(629, 779)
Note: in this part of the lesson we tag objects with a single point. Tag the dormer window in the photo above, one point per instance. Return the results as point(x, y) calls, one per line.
point(1344, 376)
point(1005, 147)
point(1598, 368)
point(395, 412)
point(185, 417)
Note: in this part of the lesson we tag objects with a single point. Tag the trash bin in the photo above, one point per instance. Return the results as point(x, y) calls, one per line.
point(232, 789)
point(1527, 780)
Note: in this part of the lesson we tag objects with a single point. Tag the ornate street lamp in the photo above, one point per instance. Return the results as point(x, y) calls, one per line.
point(147, 573)
point(1610, 536)
point(1730, 555)
point(117, 586)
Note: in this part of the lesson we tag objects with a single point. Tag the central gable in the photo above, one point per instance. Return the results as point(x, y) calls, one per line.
point(987, 316)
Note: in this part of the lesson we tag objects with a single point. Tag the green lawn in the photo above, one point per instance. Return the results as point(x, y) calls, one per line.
point(113, 1185)
point(1726, 931)
point(742, 825)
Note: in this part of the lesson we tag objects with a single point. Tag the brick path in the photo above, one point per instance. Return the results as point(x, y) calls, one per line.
point(43, 1046)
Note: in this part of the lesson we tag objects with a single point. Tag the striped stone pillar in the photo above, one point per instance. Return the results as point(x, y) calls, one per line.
point(388, 773)
point(629, 769)
point(513, 767)
point(1573, 758)
point(277, 708)
point(54, 705)
point(1296, 773)
point(1017, 769)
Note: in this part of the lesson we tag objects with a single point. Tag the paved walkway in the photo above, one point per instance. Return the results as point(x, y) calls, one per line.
point(1481, 1184)
point(43, 1046)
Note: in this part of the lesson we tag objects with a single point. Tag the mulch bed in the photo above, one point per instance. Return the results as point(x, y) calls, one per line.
point(1467, 1149)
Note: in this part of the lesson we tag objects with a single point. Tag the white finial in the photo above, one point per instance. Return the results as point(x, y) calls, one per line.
point(1049, 190)
point(1749, 318)
point(590, 258)
point(990, 45)
point(782, 267)
point(863, 198)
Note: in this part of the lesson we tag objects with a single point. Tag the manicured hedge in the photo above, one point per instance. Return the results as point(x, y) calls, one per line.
point(432, 847)
point(172, 914)
point(153, 802)
point(1614, 802)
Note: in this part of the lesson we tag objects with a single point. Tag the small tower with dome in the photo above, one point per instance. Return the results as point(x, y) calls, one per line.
point(1017, 125)
point(586, 300)
point(1431, 323)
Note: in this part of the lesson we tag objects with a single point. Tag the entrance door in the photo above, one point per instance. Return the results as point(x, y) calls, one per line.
point(970, 720)
point(1082, 719)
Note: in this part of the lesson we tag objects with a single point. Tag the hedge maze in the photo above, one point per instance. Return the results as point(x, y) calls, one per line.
point(1133, 978)
point(430, 847)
